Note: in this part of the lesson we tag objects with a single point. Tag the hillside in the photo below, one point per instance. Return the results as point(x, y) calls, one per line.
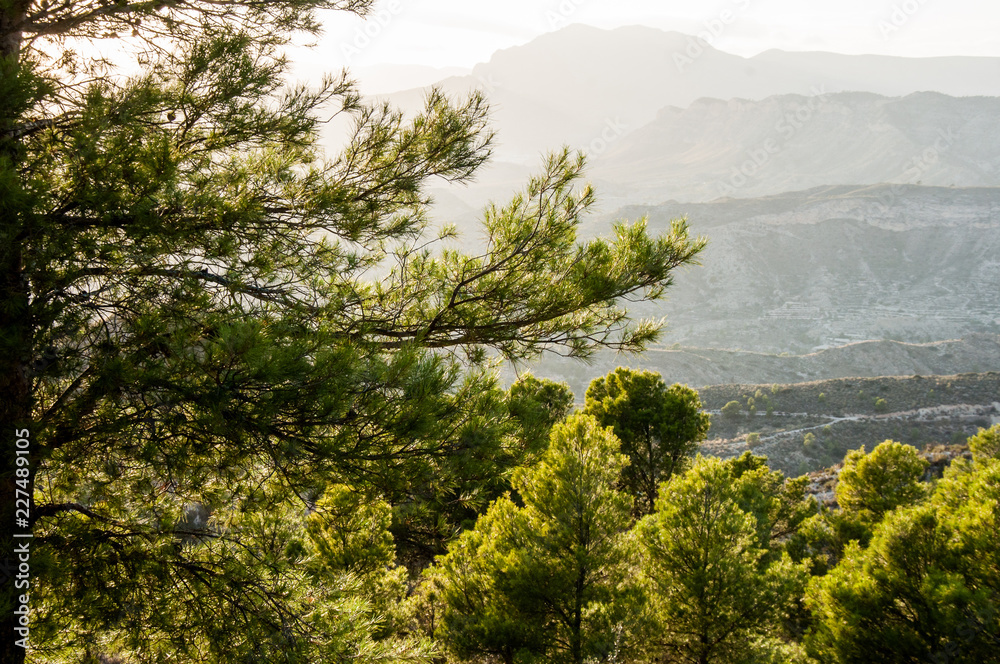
point(700, 367)
point(802, 271)
point(843, 414)
point(743, 148)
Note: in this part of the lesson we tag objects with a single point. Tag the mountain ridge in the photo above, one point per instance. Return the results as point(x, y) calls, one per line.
point(563, 86)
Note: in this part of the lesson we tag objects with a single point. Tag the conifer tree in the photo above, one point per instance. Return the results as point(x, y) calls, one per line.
point(547, 582)
point(659, 426)
point(510, 429)
point(537, 405)
point(779, 505)
point(715, 594)
point(193, 335)
point(986, 444)
point(871, 485)
point(926, 588)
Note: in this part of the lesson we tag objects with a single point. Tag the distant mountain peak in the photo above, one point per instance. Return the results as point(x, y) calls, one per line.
point(592, 88)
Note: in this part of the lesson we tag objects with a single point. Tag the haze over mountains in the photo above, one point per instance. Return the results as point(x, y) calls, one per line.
point(568, 85)
point(845, 198)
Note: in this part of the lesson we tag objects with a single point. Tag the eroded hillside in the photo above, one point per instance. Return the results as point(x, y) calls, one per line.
point(821, 268)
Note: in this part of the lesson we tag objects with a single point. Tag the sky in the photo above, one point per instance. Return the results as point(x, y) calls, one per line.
point(462, 33)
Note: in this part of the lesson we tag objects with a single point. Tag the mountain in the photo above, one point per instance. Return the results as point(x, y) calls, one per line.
point(589, 87)
point(843, 201)
point(804, 270)
point(746, 148)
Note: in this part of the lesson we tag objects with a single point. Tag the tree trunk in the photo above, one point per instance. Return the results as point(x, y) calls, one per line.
point(703, 653)
point(576, 636)
point(649, 487)
point(15, 351)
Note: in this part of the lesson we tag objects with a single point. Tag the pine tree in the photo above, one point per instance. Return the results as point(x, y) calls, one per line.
point(659, 426)
point(537, 406)
point(716, 595)
point(926, 587)
point(986, 443)
point(547, 582)
point(871, 485)
point(204, 322)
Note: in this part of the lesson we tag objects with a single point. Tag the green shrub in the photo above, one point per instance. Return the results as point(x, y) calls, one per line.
point(732, 409)
point(986, 443)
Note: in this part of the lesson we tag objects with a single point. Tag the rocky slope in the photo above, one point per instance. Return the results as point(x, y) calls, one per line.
point(744, 148)
point(700, 367)
point(807, 270)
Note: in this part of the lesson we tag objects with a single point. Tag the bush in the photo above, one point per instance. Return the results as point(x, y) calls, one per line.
point(875, 483)
point(732, 409)
point(986, 444)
